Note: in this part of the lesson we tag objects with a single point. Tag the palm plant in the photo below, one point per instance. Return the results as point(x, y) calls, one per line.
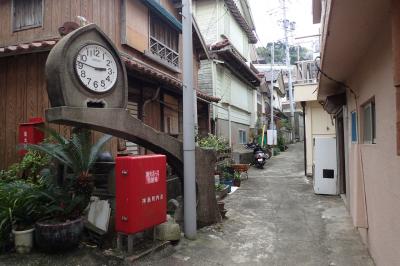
point(77, 154)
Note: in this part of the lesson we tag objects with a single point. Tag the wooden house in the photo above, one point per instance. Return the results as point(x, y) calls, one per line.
point(148, 36)
point(228, 28)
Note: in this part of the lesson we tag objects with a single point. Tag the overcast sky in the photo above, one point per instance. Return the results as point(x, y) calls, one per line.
point(267, 13)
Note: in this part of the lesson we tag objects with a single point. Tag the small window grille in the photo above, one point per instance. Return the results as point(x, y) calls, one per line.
point(164, 41)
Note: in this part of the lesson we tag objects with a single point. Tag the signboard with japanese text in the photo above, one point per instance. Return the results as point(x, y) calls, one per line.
point(141, 200)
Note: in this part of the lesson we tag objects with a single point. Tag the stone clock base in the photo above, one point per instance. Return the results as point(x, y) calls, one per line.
point(119, 123)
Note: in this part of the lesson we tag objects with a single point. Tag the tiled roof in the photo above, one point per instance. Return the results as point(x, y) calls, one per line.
point(28, 47)
point(225, 51)
point(268, 74)
point(160, 76)
point(145, 69)
point(240, 20)
point(131, 63)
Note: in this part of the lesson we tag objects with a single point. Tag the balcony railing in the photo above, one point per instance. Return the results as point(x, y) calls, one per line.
point(307, 72)
point(165, 53)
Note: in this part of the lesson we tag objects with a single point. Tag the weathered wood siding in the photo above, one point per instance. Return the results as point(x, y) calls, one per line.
point(104, 13)
point(205, 77)
point(22, 80)
point(23, 95)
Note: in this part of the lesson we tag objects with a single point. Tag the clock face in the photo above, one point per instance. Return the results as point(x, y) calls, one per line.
point(96, 68)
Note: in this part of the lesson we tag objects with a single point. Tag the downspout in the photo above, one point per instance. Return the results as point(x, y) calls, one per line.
point(229, 126)
point(150, 100)
point(303, 104)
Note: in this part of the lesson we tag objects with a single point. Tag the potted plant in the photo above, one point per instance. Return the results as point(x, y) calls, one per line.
point(62, 226)
point(236, 179)
point(20, 208)
point(21, 200)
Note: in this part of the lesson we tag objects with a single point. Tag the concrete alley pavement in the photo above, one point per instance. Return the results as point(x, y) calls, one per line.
point(274, 219)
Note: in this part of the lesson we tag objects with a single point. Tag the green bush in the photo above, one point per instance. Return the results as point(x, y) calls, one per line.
point(29, 168)
point(281, 142)
point(214, 142)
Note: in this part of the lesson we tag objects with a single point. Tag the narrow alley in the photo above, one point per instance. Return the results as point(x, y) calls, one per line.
point(274, 219)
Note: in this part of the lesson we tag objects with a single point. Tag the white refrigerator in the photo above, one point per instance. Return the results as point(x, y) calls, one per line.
point(325, 166)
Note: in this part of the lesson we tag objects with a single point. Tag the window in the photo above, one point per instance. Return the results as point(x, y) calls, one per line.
point(164, 41)
point(27, 14)
point(242, 136)
point(354, 132)
point(369, 127)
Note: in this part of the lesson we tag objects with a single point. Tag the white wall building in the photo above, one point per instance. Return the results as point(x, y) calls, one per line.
point(227, 28)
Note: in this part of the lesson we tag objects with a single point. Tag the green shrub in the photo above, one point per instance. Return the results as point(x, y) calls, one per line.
point(281, 142)
point(29, 168)
point(214, 142)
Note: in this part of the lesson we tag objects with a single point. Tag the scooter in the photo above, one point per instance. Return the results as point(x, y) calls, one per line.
point(260, 156)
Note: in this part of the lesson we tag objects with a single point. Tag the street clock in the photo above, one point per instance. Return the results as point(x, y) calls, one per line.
point(96, 68)
point(84, 69)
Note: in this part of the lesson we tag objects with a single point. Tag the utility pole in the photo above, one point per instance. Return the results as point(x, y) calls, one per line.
point(271, 126)
point(189, 146)
point(286, 26)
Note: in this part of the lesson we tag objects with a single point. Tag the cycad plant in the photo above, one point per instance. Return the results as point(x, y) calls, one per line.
point(77, 153)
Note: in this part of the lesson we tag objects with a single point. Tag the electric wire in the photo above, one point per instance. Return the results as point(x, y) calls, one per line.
point(344, 85)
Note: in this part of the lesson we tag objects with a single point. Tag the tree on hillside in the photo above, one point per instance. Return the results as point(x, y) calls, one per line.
point(279, 53)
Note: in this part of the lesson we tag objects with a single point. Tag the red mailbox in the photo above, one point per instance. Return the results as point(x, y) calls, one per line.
point(28, 133)
point(141, 200)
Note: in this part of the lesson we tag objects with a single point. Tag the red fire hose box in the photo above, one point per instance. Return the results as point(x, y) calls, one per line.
point(28, 133)
point(140, 192)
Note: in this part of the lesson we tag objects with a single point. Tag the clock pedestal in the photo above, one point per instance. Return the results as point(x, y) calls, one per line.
point(75, 104)
point(120, 123)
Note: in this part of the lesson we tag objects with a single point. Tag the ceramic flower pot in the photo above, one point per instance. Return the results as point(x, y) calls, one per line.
point(53, 237)
point(23, 240)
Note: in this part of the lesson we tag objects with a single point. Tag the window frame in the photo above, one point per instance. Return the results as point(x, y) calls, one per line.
point(371, 104)
point(13, 29)
point(156, 57)
point(354, 126)
point(240, 136)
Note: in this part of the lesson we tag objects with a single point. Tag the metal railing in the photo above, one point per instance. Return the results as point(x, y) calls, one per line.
point(164, 52)
point(306, 72)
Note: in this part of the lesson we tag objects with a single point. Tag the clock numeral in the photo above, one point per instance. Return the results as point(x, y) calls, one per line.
point(83, 73)
point(95, 84)
point(89, 79)
point(103, 83)
point(109, 71)
point(108, 79)
point(108, 62)
point(84, 58)
point(96, 53)
point(80, 65)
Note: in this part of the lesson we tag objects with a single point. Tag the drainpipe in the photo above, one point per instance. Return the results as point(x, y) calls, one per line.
point(303, 104)
point(229, 126)
point(150, 100)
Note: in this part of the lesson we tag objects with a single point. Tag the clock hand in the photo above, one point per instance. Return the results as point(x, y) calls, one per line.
point(95, 68)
